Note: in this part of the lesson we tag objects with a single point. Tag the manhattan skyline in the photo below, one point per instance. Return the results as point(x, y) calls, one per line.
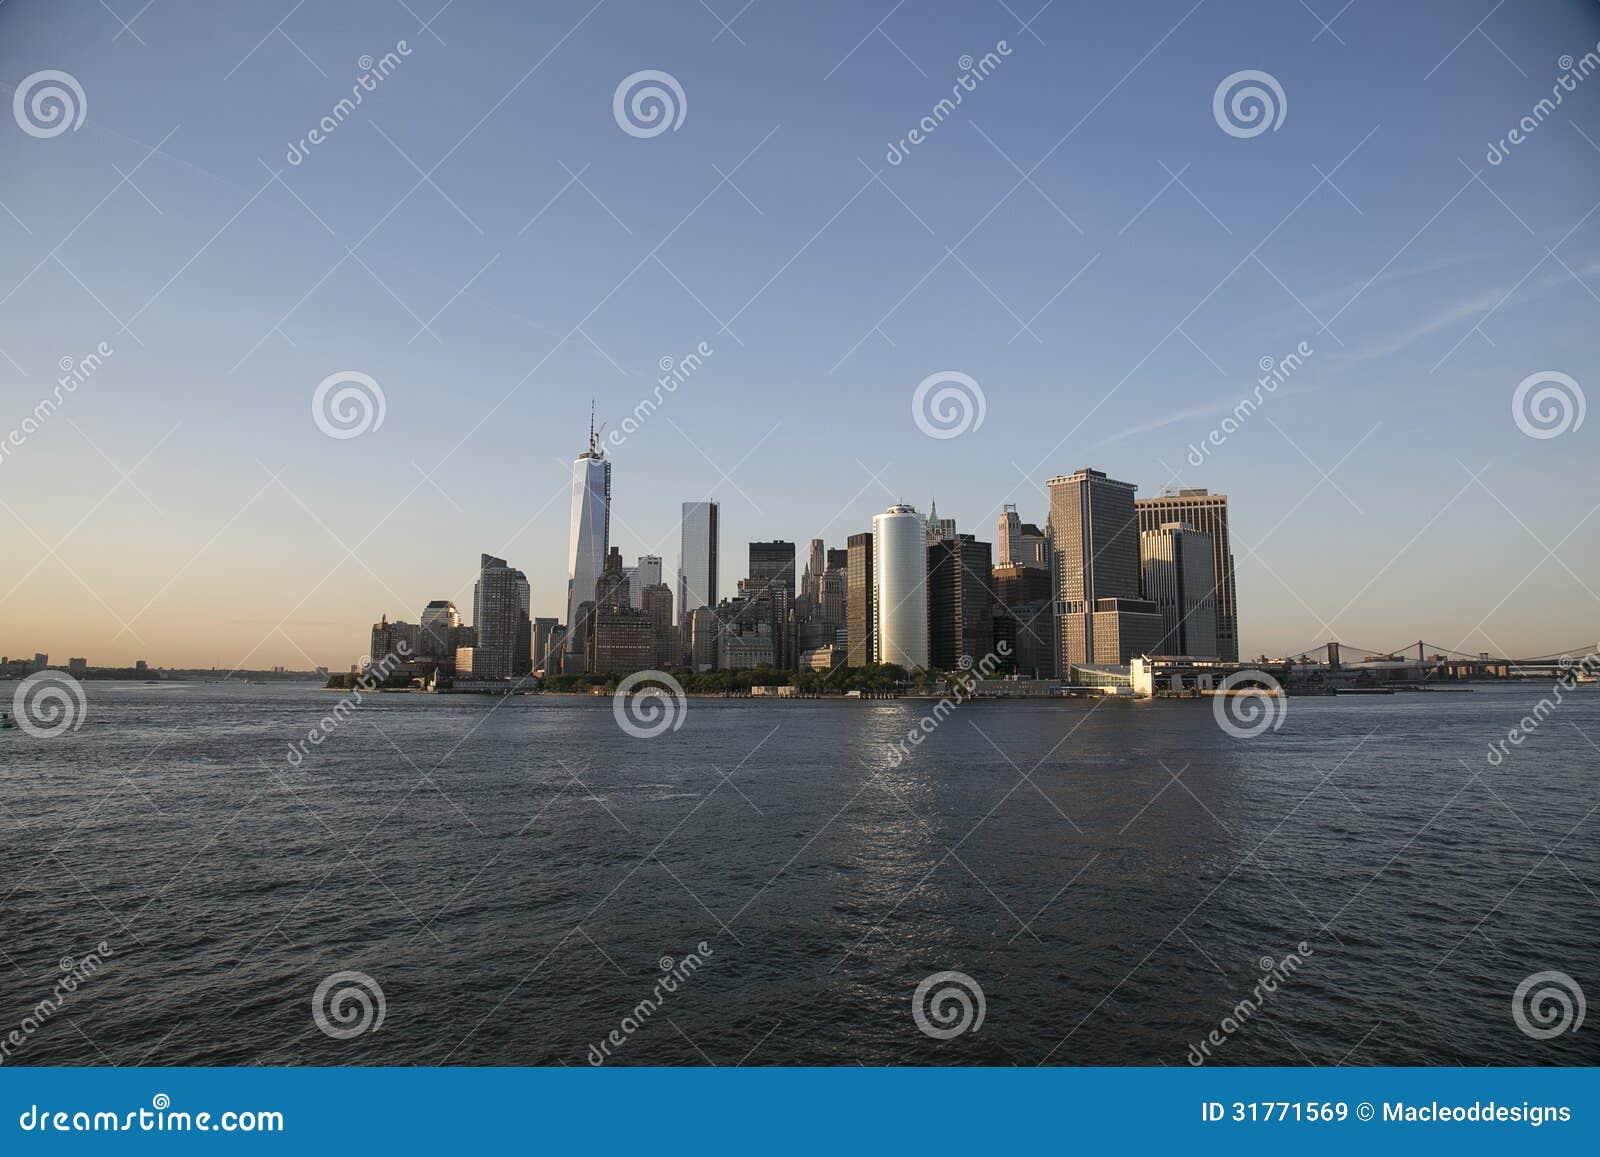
point(1114, 306)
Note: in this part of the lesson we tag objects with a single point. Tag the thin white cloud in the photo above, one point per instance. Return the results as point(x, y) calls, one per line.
point(1446, 318)
point(1215, 408)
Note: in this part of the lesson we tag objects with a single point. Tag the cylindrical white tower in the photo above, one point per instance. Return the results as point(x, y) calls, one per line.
point(900, 574)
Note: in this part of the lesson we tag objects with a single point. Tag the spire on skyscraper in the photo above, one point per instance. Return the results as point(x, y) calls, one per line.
point(594, 450)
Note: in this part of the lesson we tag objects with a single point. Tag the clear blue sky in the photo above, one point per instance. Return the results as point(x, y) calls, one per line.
point(831, 286)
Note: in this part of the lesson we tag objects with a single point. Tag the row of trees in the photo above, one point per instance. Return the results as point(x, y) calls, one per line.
point(876, 677)
point(350, 680)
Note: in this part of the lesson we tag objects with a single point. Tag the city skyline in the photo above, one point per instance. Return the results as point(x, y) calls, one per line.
point(1039, 540)
point(1081, 238)
point(591, 512)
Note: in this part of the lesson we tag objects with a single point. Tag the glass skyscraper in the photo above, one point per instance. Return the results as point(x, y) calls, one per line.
point(1208, 514)
point(1103, 616)
point(500, 618)
point(589, 540)
point(860, 619)
point(900, 573)
point(697, 558)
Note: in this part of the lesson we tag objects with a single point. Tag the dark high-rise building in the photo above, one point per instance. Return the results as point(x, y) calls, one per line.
point(1026, 595)
point(773, 561)
point(961, 603)
point(859, 612)
point(1005, 640)
point(398, 639)
point(772, 566)
point(657, 603)
point(1179, 578)
point(831, 596)
point(611, 589)
point(543, 629)
point(1103, 616)
point(522, 640)
point(622, 640)
point(838, 558)
point(1208, 514)
point(1034, 640)
point(500, 617)
point(1014, 585)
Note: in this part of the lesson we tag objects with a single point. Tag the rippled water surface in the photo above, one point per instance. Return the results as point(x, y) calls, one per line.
point(512, 873)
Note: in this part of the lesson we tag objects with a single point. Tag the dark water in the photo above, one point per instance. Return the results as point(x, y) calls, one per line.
point(511, 873)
